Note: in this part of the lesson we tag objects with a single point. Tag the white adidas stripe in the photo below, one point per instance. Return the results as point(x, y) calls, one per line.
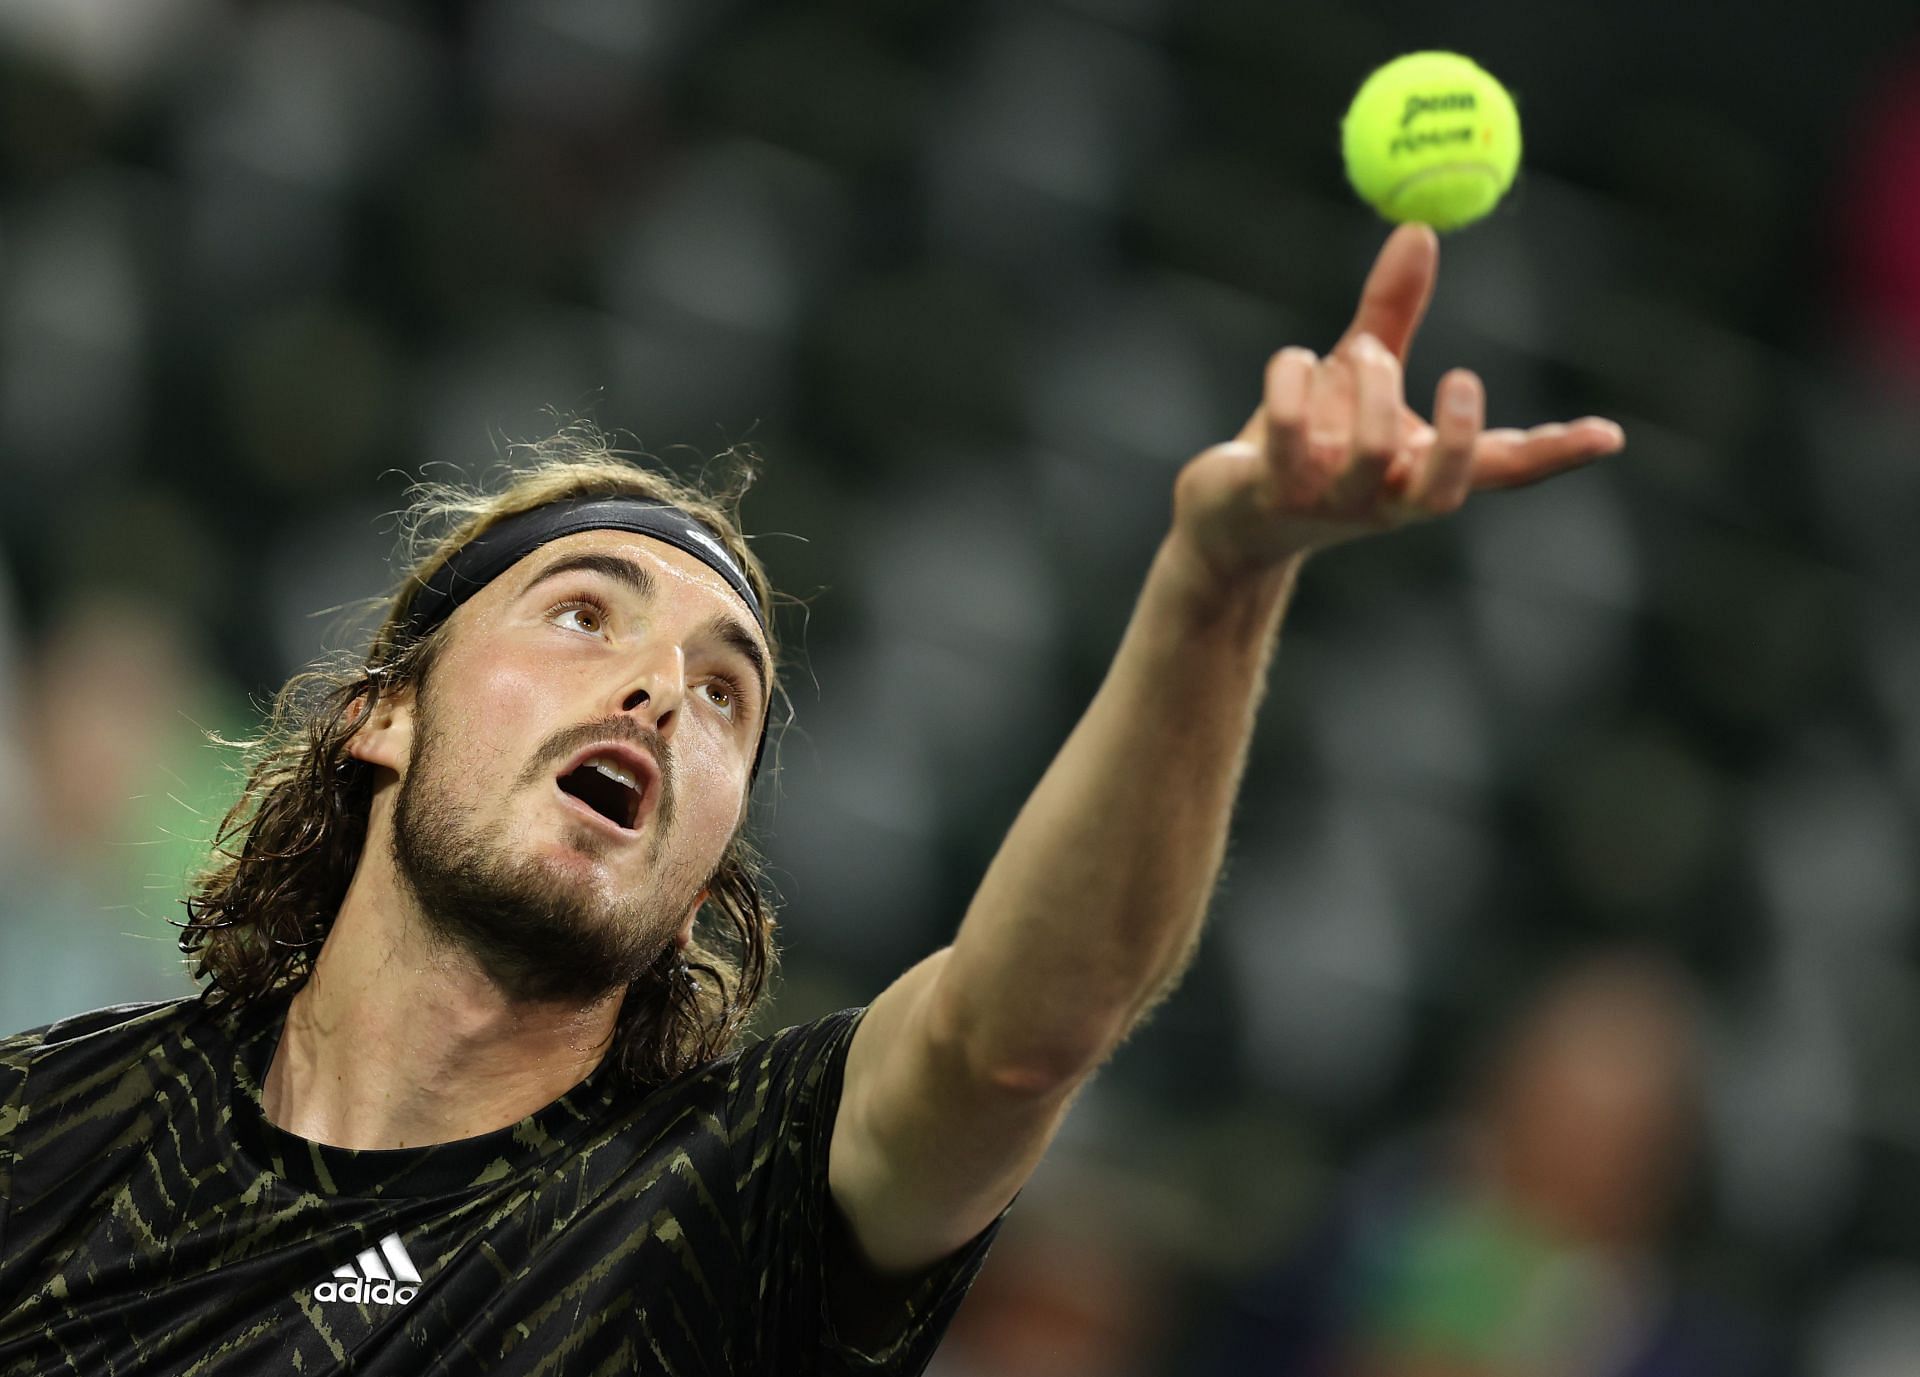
point(396, 1251)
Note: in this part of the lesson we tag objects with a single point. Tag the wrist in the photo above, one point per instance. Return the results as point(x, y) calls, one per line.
point(1196, 578)
point(1206, 598)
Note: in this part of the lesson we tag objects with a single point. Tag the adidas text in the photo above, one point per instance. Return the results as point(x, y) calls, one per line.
point(366, 1292)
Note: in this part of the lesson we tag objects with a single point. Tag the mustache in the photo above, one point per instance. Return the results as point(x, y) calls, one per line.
point(624, 730)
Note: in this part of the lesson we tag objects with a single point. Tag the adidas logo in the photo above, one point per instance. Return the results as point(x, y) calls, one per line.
point(694, 531)
point(382, 1275)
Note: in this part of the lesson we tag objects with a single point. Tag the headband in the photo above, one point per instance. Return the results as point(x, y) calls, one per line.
point(491, 553)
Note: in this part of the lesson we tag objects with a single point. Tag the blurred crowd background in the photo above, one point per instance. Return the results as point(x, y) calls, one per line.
point(1559, 1011)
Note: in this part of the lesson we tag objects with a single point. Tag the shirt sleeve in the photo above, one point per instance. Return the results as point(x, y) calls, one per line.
point(15, 1054)
point(782, 1102)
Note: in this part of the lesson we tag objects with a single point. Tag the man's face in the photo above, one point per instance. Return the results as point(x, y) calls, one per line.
point(577, 762)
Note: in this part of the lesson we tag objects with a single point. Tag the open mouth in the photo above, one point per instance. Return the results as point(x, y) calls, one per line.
point(609, 787)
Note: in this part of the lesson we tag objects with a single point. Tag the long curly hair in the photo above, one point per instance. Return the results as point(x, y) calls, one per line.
point(284, 853)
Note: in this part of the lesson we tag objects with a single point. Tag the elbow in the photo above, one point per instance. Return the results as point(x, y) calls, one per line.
point(1040, 1078)
point(1006, 1056)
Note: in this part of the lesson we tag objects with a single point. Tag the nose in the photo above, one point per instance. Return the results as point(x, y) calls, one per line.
point(654, 687)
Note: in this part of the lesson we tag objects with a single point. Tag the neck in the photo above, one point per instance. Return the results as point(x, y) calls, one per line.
point(397, 1041)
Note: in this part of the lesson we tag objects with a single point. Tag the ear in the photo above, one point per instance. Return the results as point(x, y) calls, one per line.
point(683, 937)
point(384, 733)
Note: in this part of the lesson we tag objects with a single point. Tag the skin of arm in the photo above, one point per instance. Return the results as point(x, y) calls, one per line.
point(1086, 916)
point(963, 1069)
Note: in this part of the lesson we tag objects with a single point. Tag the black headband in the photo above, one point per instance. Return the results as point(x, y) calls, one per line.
point(488, 555)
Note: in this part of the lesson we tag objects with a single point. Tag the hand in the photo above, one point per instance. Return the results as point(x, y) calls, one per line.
point(1334, 452)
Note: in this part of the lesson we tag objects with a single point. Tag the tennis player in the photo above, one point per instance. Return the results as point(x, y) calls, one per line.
point(464, 1090)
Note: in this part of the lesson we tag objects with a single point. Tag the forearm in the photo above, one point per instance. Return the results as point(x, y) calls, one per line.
point(1097, 896)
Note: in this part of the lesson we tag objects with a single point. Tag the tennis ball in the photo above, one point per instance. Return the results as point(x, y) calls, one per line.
point(1431, 137)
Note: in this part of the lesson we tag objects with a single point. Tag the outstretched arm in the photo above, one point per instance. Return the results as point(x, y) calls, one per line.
point(963, 1068)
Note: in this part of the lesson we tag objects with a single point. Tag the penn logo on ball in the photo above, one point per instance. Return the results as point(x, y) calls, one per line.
point(1431, 137)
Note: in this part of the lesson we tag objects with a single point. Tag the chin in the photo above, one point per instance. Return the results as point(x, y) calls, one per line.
point(582, 877)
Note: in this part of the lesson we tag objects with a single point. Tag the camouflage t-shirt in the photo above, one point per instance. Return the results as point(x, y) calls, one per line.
point(153, 1220)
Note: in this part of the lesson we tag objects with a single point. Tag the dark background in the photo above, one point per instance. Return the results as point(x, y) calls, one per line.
point(973, 280)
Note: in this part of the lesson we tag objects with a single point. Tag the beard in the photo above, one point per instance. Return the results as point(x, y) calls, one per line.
point(538, 936)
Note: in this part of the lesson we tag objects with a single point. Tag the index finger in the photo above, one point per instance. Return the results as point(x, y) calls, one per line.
point(1394, 300)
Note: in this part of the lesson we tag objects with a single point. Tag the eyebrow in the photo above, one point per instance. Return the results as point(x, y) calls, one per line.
point(635, 577)
point(638, 579)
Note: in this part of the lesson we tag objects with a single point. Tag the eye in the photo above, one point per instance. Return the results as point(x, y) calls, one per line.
point(580, 614)
point(722, 694)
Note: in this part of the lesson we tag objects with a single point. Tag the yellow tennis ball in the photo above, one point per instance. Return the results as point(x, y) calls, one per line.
point(1431, 137)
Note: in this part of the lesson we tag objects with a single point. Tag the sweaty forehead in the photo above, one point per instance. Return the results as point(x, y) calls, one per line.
point(666, 569)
